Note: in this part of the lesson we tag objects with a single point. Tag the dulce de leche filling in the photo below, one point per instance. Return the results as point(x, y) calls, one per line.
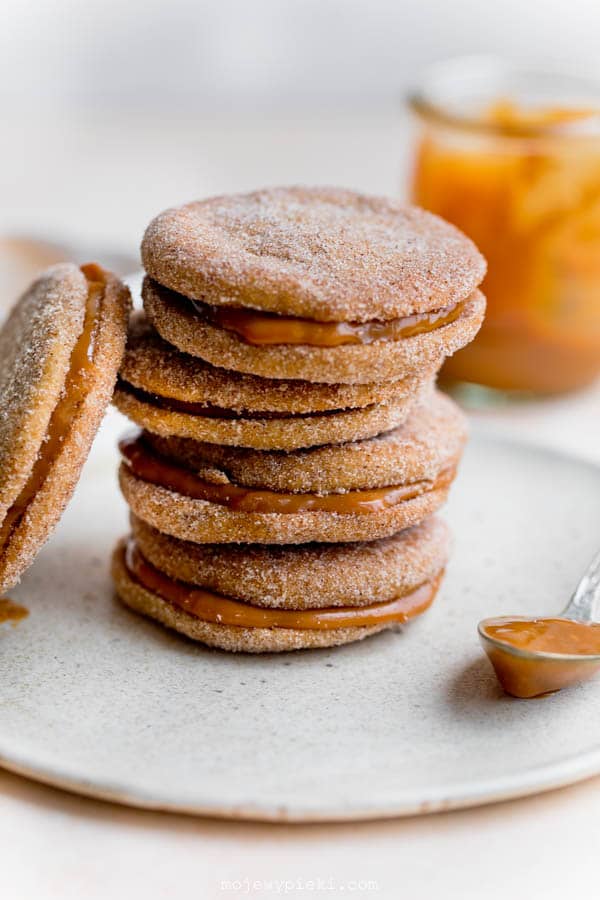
point(262, 328)
point(211, 607)
point(158, 470)
point(77, 386)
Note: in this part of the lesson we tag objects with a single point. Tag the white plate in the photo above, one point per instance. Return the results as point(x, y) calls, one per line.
point(102, 702)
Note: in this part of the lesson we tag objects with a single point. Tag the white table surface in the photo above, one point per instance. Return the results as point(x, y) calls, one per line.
point(96, 179)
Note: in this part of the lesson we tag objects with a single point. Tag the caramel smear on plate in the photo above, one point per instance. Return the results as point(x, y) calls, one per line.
point(11, 612)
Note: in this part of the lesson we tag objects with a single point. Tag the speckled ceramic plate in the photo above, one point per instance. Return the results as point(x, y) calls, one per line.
point(99, 701)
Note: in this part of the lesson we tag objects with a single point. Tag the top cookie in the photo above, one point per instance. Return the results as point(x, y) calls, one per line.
point(320, 253)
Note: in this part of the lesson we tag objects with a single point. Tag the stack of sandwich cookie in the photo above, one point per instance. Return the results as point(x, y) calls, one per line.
point(292, 446)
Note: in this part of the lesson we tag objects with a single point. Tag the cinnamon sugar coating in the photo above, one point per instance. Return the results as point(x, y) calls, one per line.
point(429, 441)
point(322, 253)
point(282, 577)
point(43, 331)
point(177, 322)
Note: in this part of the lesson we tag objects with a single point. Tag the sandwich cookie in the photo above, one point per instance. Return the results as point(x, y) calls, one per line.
point(171, 393)
point(268, 598)
point(320, 284)
point(60, 351)
point(356, 491)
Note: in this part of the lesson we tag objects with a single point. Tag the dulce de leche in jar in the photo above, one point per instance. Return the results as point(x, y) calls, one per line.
point(513, 159)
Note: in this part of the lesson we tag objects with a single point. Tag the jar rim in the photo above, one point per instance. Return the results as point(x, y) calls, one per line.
point(492, 79)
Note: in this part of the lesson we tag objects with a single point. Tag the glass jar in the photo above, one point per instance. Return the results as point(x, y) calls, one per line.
point(513, 159)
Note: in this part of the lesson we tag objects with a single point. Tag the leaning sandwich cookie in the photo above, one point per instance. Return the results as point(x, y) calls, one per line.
point(60, 350)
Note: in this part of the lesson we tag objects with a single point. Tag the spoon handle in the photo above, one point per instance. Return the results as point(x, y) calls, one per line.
point(582, 604)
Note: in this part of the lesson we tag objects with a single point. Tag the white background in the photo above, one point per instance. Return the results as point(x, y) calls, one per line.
point(277, 53)
point(112, 110)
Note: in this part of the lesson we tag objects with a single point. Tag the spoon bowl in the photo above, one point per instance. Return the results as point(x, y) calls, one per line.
point(525, 672)
point(535, 656)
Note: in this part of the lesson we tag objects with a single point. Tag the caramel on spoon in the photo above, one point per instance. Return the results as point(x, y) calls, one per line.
point(542, 655)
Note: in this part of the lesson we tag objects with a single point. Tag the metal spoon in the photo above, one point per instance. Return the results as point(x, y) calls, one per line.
point(527, 671)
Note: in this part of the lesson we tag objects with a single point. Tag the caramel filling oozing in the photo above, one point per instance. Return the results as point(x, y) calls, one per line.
point(210, 411)
point(149, 466)
point(211, 607)
point(264, 329)
point(77, 386)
